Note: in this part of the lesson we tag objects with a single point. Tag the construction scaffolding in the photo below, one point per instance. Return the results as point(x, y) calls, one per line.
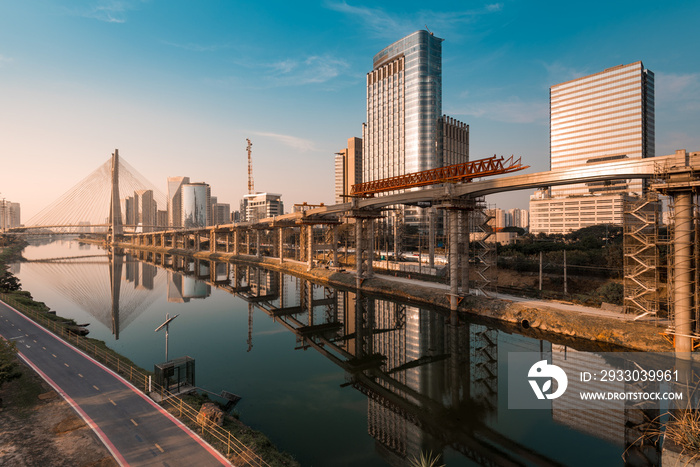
point(641, 255)
point(694, 256)
point(484, 252)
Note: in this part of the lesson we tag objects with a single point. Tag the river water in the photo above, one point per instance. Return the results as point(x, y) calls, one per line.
point(333, 378)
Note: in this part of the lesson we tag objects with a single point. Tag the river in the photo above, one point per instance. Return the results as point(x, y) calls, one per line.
point(362, 381)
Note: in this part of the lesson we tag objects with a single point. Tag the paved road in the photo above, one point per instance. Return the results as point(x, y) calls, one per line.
point(524, 301)
point(137, 431)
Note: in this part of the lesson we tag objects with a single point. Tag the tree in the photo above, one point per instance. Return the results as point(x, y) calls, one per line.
point(9, 283)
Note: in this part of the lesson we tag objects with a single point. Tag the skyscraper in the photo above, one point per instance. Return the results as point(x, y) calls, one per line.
point(175, 200)
point(602, 117)
point(599, 118)
point(196, 205)
point(405, 130)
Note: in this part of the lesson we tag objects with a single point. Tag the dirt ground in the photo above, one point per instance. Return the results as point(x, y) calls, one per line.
point(39, 428)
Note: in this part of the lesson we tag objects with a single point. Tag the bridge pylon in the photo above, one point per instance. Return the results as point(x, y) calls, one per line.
point(115, 212)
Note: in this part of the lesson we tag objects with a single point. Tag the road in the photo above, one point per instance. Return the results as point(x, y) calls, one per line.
point(136, 430)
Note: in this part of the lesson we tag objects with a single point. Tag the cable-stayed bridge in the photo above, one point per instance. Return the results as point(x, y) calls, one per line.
point(87, 206)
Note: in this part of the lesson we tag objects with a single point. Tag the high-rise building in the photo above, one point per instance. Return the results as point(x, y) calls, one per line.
point(196, 205)
point(261, 206)
point(405, 130)
point(175, 200)
point(221, 213)
point(599, 118)
point(145, 210)
point(348, 169)
point(9, 215)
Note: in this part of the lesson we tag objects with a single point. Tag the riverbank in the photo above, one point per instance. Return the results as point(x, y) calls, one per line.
point(555, 321)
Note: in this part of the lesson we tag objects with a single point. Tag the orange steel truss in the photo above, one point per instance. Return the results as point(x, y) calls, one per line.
point(451, 173)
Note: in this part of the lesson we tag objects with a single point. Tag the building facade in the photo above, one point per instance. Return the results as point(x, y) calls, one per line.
point(595, 119)
point(196, 205)
point(348, 169)
point(9, 215)
point(261, 206)
point(566, 214)
point(599, 118)
point(404, 131)
point(221, 213)
point(175, 200)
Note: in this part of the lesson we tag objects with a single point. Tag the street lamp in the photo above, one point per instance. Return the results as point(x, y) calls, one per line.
point(165, 325)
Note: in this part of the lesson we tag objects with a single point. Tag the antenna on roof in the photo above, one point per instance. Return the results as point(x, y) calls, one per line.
point(426, 28)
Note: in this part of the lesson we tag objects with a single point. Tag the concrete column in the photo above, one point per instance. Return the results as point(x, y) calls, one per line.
point(212, 241)
point(247, 242)
point(370, 247)
point(235, 242)
point(258, 251)
point(335, 245)
point(453, 240)
point(682, 271)
point(464, 243)
point(281, 242)
point(431, 237)
point(396, 237)
point(197, 241)
point(358, 247)
point(309, 247)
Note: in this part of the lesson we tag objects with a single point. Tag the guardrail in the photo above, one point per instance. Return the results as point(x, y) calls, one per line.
point(220, 438)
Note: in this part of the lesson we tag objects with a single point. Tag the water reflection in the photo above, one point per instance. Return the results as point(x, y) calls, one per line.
point(431, 382)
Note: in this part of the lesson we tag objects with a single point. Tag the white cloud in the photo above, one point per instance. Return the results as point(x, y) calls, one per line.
point(513, 110)
point(682, 90)
point(559, 73)
point(294, 142)
point(380, 23)
point(198, 47)
point(108, 11)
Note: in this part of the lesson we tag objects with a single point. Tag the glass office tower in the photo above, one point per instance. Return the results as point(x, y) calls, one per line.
point(404, 104)
point(602, 117)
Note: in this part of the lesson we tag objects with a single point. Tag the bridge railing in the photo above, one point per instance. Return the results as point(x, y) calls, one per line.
point(219, 437)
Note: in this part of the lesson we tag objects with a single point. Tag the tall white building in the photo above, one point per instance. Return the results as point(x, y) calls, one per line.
point(602, 117)
point(261, 206)
point(599, 118)
point(175, 200)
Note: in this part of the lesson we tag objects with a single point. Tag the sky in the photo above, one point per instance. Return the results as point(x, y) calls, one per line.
point(178, 86)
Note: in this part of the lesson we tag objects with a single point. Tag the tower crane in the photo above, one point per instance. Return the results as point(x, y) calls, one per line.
point(251, 187)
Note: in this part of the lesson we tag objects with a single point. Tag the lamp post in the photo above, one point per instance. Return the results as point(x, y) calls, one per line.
point(165, 325)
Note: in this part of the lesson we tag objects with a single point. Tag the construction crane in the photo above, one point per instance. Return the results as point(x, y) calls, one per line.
point(251, 186)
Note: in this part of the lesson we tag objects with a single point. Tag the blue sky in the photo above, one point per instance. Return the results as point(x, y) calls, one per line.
point(178, 86)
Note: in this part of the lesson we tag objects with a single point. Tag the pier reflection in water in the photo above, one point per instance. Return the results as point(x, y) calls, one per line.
point(381, 381)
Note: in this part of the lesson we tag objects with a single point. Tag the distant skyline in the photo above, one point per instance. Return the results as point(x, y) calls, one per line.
point(178, 86)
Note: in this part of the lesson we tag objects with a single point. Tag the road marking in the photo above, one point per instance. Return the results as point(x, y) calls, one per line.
point(26, 335)
point(67, 365)
point(54, 355)
point(80, 375)
point(113, 403)
point(44, 348)
point(18, 337)
point(95, 387)
point(159, 448)
point(135, 424)
point(34, 340)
